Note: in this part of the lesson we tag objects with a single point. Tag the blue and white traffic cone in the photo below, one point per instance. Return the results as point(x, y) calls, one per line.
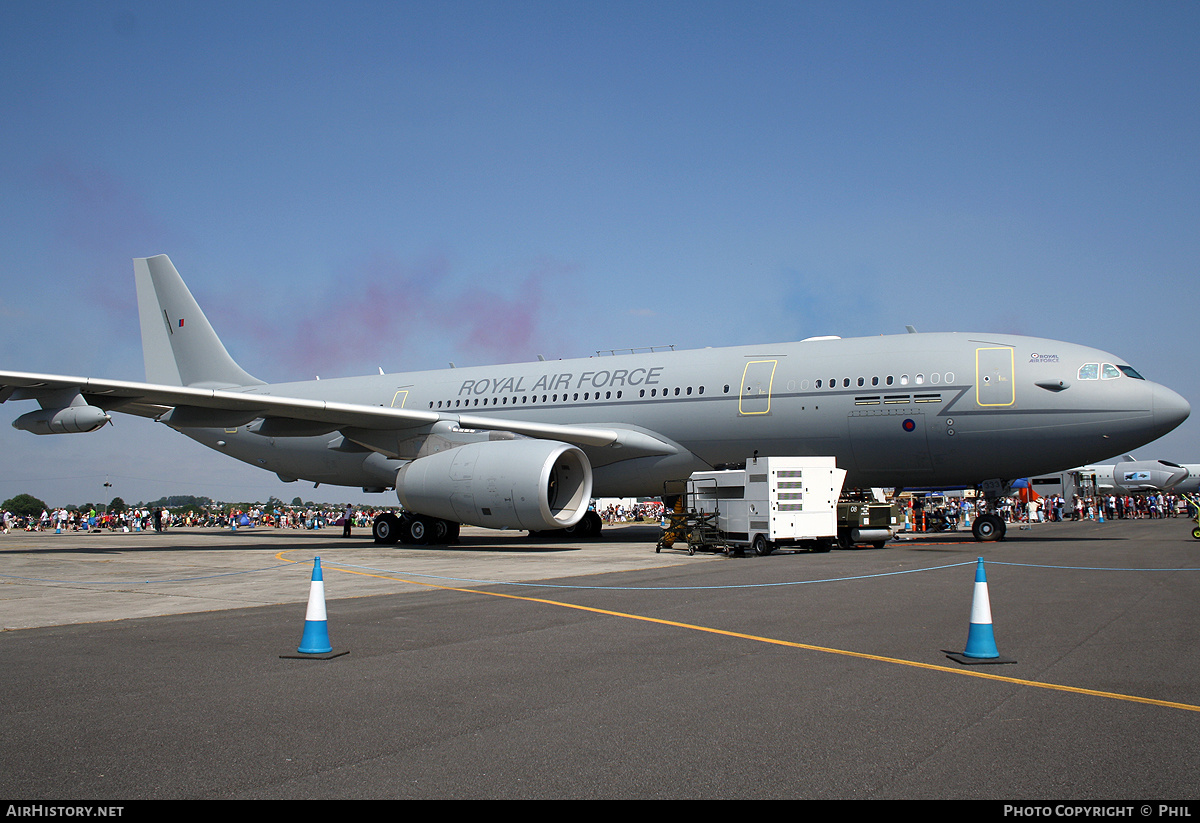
point(981, 641)
point(316, 625)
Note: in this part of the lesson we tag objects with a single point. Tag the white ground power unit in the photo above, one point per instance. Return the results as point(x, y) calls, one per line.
point(773, 502)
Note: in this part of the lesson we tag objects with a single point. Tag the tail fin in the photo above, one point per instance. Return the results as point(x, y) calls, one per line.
point(178, 343)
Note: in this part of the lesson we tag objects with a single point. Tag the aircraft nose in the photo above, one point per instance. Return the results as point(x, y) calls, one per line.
point(1170, 409)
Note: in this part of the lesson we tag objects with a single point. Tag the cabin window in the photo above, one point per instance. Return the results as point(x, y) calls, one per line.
point(1109, 372)
point(1089, 371)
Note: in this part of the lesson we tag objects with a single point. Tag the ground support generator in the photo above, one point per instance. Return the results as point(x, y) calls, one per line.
point(775, 502)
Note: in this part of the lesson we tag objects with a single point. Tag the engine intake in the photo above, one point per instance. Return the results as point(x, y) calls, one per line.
point(523, 484)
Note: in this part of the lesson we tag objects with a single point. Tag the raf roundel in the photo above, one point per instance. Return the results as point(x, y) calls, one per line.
point(909, 424)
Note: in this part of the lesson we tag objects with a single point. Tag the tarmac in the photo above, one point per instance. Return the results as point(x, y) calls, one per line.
point(147, 666)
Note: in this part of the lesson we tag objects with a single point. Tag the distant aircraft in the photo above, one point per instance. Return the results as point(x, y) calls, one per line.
point(527, 445)
point(1131, 475)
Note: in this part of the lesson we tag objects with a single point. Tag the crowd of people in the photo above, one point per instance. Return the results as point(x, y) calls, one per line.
point(953, 513)
point(942, 514)
point(141, 518)
point(620, 513)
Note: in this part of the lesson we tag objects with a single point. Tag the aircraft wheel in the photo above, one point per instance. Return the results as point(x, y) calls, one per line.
point(386, 528)
point(418, 530)
point(988, 527)
point(762, 546)
point(595, 524)
point(439, 530)
point(588, 526)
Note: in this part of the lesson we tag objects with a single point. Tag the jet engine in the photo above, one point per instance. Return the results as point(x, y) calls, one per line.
point(524, 484)
point(69, 420)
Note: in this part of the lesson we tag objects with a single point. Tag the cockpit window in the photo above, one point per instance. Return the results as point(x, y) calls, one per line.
point(1089, 371)
point(1109, 372)
point(1131, 372)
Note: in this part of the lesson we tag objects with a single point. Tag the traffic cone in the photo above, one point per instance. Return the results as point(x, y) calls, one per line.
point(316, 626)
point(981, 642)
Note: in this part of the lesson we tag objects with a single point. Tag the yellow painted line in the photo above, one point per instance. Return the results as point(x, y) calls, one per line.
point(789, 643)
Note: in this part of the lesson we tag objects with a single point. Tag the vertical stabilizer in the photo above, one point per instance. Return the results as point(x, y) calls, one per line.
point(178, 343)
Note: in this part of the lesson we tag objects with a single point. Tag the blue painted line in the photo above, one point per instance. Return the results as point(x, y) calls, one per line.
point(1087, 568)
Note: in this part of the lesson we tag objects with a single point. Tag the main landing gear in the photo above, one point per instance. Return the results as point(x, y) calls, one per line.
point(422, 530)
point(413, 529)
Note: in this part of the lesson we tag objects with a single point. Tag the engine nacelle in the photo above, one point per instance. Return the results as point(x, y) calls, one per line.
point(69, 420)
point(523, 484)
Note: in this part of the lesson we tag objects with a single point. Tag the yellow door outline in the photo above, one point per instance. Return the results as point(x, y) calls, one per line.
point(994, 377)
point(750, 397)
point(401, 395)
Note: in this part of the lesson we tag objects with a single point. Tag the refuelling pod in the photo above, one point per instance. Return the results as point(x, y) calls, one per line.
point(69, 420)
point(523, 484)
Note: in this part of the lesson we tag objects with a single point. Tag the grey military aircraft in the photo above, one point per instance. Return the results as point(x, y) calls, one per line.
point(527, 445)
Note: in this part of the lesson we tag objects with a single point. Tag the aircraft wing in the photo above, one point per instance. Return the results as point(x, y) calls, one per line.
point(185, 406)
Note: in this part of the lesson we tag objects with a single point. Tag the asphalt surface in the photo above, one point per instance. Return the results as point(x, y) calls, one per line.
point(154, 666)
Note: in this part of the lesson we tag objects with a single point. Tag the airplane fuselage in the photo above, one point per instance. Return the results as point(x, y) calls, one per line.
point(903, 410)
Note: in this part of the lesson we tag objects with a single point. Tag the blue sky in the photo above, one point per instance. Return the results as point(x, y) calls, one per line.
point(355, 185)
